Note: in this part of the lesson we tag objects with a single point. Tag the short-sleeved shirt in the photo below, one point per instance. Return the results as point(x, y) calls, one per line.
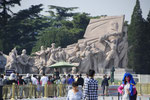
point(74, 96)
point(44, 80)
point(70, 81)
point(34, 81)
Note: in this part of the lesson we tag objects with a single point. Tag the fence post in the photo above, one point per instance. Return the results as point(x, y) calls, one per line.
point(60, 90)
point(1, 92)
point(139, 77)
point(13, 92)
point(30, 90)
point(118, 96)
point(147, 88)
point(45, 91)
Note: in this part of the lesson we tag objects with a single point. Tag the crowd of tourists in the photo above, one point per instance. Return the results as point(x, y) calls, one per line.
point(77, 87)
point(38, 82)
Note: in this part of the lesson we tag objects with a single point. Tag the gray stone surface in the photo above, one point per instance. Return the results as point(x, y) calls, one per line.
point(108, 24)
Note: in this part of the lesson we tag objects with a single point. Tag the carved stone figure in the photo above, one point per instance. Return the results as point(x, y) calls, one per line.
point(61, 55)
point(75, 59)
point(86, 63)
point(123, 50)
point(94, 58)
point(74, 70)
point(24, 58)
point(75, 50)
point(112, 54)
point(23, 62)
point(84, 45)
point(12, 60)
point(52, 58)
point(42, 56)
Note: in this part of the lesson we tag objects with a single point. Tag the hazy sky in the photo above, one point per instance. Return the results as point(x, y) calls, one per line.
point(94, 7)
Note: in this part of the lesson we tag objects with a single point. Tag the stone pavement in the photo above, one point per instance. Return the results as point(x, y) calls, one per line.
point(99, 98)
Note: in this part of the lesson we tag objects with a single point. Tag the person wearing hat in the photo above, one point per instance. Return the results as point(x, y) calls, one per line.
point(12, 79)
point(127, 88)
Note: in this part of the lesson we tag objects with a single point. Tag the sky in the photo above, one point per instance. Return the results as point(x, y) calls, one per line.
point(93, 7)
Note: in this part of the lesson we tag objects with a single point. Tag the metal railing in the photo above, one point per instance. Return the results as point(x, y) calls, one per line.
point(55, 90)
point(34, 91)
point(143, 88)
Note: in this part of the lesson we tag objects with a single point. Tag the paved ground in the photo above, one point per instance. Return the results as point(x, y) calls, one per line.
point(99, 98)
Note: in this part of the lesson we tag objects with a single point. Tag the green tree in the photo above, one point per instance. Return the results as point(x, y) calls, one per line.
point(5, 15)
point(62, 31)
point(22, 28)
point(136, 40)
point(147, 46)
point(5, 10)
point(62, 13)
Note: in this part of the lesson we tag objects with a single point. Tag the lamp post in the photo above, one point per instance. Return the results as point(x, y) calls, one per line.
point(112, 74)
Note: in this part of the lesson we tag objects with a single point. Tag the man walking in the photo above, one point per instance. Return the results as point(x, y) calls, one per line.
point(91, 87)
point(105, 84)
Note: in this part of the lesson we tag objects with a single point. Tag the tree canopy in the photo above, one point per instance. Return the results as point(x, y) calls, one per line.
point(138, 41)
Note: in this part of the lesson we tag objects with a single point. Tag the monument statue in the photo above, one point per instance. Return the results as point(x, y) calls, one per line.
point(104, 45)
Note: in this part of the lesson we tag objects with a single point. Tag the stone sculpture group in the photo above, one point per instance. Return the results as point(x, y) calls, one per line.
point(104, 46)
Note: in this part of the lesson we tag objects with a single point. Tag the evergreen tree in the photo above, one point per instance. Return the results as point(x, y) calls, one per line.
point(136, 40)
point(62, 13)
point(62, 31)
point(21, 29)
point(5, 15)
point(147, 39)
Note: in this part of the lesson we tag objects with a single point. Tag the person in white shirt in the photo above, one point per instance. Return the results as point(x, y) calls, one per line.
point(34, 83)
point(86, 79)
point(43, 81)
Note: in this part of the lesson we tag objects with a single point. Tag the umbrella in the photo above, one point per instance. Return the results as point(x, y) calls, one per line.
point(62, 65)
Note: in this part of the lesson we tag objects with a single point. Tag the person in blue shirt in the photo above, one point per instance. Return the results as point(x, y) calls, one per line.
point(71, 80)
